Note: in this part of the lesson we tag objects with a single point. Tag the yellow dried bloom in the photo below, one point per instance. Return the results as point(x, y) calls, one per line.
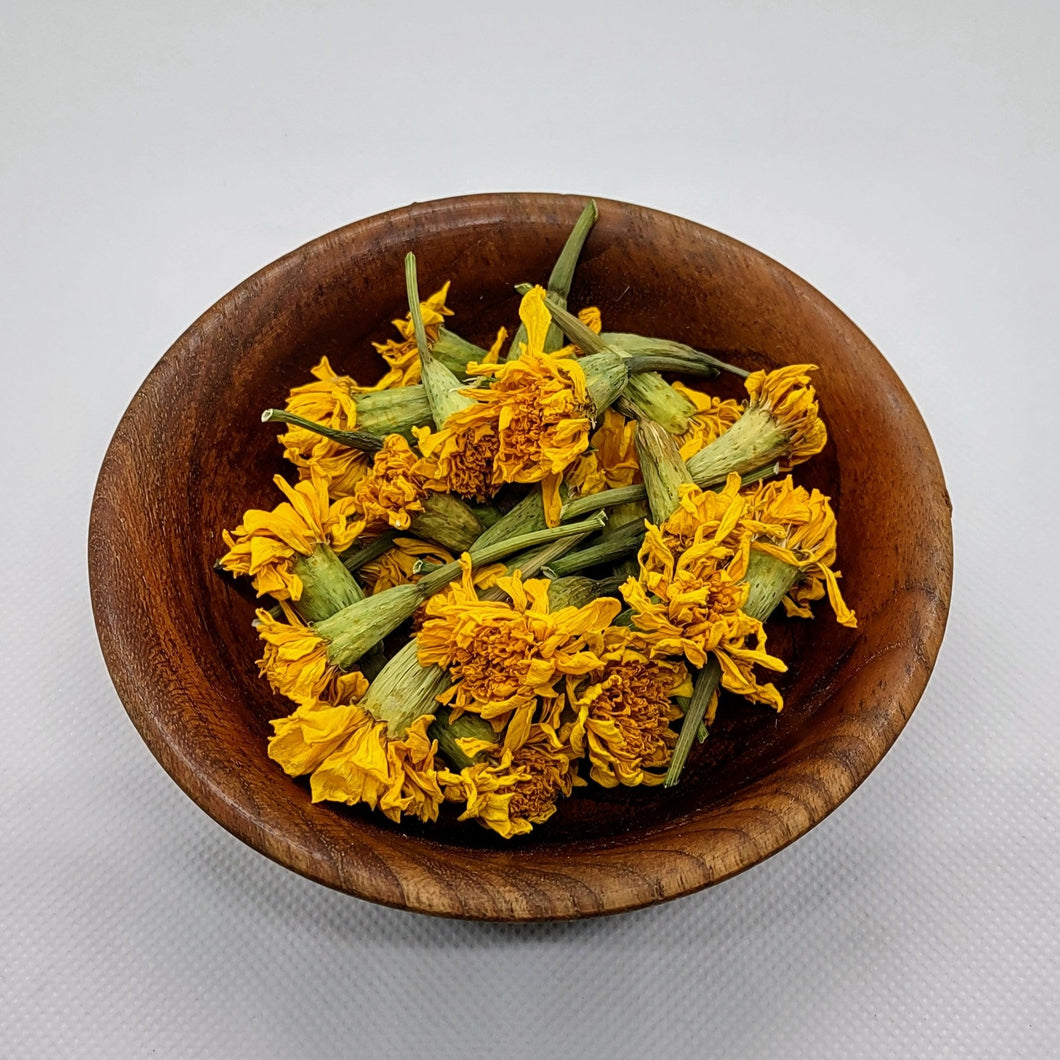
point(624, 711)
point(696, 613)
point(394, 567)
point(786, 394)
point(611, 461)
point(266, 545)
point(713, 417)
point(395, 487)
point(518, 789)
point(590, 317)
point(403, 357)
point(461, 454)
point(295, 660)
point(803, 535)
point(302, 740)
point(398, 775)
point(690, 602)
point(702, 514)
point(330, 401)
point(501, 655)
point(538, 407)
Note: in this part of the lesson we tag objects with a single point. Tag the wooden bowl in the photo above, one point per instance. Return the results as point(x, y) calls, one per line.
point(190, 455)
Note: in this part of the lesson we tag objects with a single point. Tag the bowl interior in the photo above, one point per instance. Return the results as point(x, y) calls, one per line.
point(191, 455)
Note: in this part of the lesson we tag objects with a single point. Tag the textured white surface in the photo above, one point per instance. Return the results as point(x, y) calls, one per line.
point(905, 161)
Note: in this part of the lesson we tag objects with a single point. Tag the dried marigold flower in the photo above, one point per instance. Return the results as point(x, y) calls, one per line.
point(503, 655)
point(375, 750)
point(273, 547)
point(801, 533)
point(403, 357)
point(624, 711)
point(611, 461)
point(394, 489)
point(780, 422)
point(517, 789)
point(690, 602)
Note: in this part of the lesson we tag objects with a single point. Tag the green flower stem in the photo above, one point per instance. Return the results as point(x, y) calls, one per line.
point(624, 542)
point(455, 352)
point(753, 441)
point(702, 365)
point(480, 556)
point(531, 563)
point(593, 502)
point(415, 311)
point(706, 684)
point(327, 586)
point(447, 732)
point(353, 559)
point(442, 387)
point(366, 443)
point(447, 521)
point(707, 362)
point(527, 515)
point(559, 282)
point(619, 515)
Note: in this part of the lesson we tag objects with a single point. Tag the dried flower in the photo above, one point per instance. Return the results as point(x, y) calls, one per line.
point(395, 488)
point(541, 409)
point(302, 740)
point(397, 774)
point(787, 396)
point(802, 535)
point(339, 403)
point(462, 453)
point(270, 546)
point(295, 660)
point(624, 711)
point(403, 356)
point(780, 422)
point(504, 655)
point(691, 602)
point(611, 460)
point(517, 789)
point(374, 749)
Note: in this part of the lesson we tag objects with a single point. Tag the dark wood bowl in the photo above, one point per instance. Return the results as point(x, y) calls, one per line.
point(190, 455)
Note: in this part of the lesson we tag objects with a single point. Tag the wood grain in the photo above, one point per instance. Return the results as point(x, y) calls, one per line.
point(190, 455)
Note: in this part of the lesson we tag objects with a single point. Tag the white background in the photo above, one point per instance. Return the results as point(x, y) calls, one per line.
point(902, 157)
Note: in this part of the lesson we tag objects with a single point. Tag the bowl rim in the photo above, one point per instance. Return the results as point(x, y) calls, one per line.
point(774, 814)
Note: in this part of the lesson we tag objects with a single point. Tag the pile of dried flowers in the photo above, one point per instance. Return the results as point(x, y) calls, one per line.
point(462, 498)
